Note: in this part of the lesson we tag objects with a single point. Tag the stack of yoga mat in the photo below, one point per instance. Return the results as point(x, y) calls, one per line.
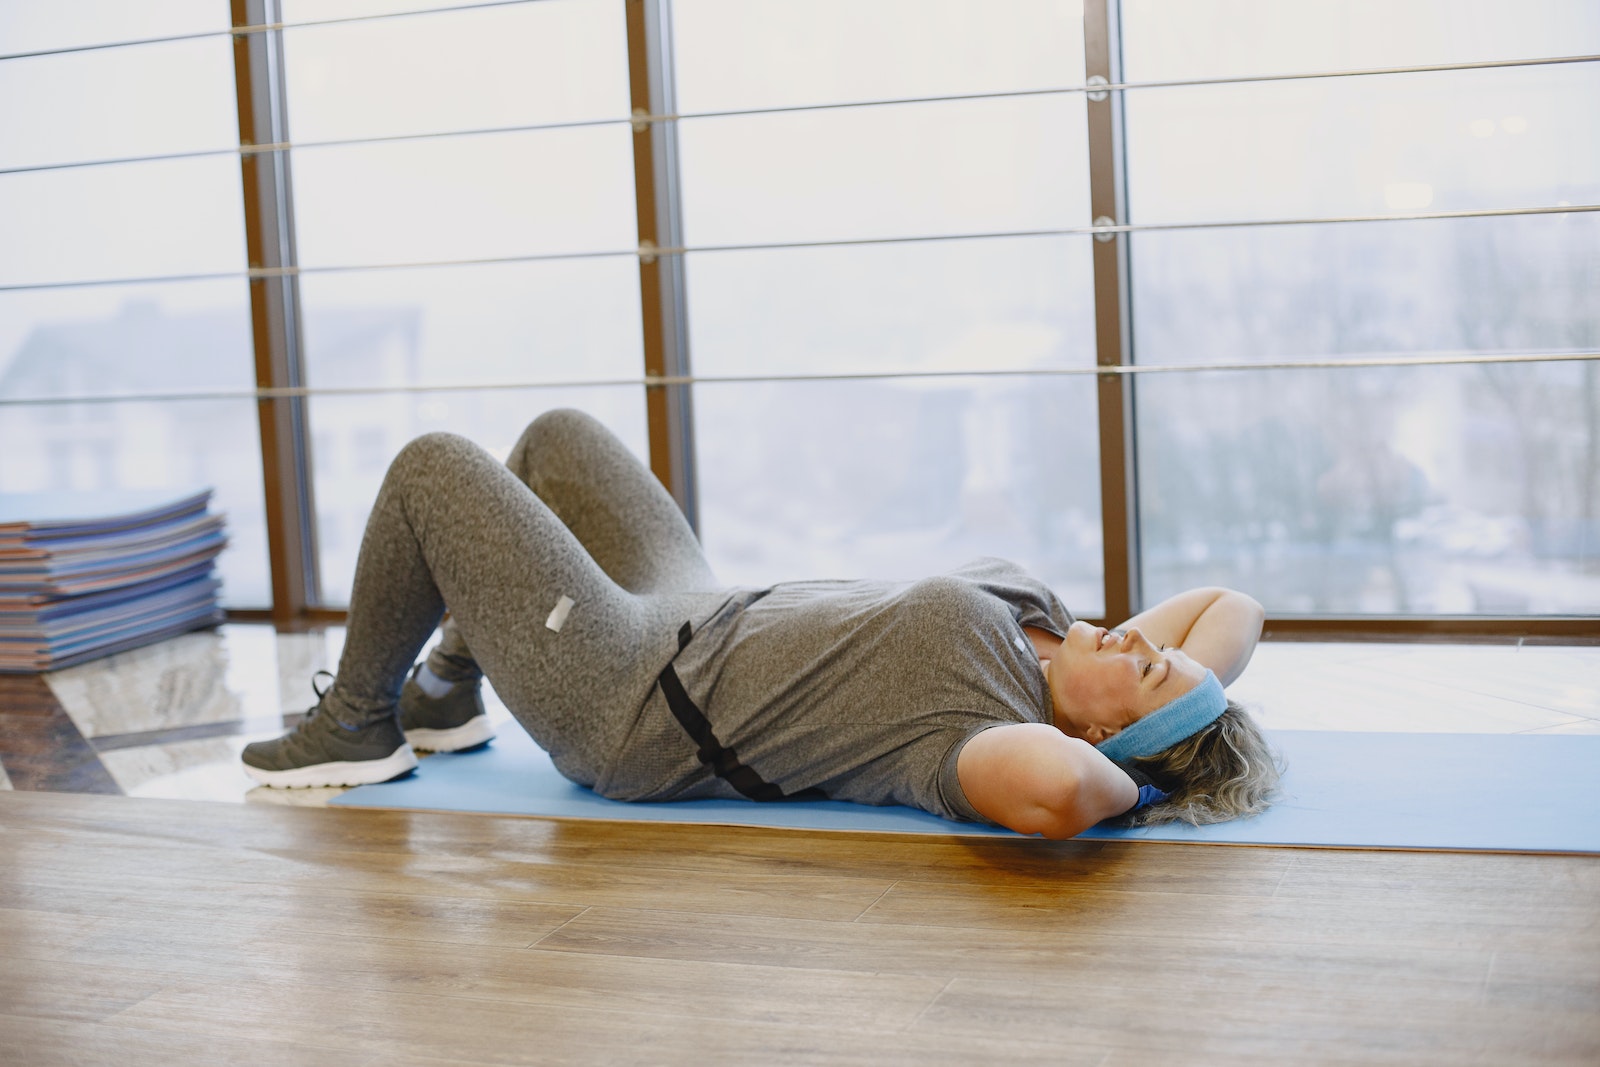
point(84, 575)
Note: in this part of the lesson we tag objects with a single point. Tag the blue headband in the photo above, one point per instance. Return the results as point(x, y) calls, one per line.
point(1172, 722)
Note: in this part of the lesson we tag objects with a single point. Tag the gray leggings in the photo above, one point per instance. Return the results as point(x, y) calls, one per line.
point(572, 514)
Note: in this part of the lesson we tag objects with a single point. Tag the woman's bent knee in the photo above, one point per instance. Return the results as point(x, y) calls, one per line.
point(550, 441)
point(563, 425)
point(433, 452)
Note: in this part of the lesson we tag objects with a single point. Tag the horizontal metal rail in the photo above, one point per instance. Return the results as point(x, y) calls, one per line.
point(641, 118)
point(1435, 359)
point(648, 253)
point(261, 27)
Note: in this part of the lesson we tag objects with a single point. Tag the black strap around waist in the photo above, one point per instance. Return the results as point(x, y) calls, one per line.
point(723, 761)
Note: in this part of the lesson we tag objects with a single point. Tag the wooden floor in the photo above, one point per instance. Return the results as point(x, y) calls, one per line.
point(144, 922)
point(140, 931)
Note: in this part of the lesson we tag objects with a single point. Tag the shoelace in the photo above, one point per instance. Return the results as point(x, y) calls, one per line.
point(321, 691)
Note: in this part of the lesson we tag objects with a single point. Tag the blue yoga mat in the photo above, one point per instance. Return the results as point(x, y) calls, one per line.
point(1493, 792)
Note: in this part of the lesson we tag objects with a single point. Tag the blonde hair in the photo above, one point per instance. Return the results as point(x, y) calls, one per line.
point(1224, 771)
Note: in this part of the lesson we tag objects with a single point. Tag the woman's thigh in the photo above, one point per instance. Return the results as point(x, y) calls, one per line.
point(613, 504)
point(558, 638)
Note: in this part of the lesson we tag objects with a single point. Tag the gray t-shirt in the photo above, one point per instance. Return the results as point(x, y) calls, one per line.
point(864, 689)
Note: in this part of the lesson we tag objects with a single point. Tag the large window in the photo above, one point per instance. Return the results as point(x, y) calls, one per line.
point(1446, 489)
point(438, 173)
point(92, 229)
point(848, 235)
point(1349, 317)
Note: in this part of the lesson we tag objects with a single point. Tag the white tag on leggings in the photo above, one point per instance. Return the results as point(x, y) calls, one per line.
point(558, 617)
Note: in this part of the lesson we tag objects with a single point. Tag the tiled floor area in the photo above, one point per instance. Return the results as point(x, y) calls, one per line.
point(169, 720)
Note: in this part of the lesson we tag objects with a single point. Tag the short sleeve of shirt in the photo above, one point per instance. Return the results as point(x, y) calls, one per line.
point(951, 794)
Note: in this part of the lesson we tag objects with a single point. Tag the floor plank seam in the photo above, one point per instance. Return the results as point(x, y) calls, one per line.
point(908, 1027)
point(1484, 996)
point(1282, 876)
point(551, 933)
point(876, 902)
point(110, 1020)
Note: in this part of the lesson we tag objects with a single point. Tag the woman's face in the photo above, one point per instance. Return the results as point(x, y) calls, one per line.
point(1102, 681)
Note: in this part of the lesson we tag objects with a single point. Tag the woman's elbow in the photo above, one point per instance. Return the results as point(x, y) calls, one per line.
point(1034, 779)
point(1253, 606)
point(1061, 812)
point(1239, 602)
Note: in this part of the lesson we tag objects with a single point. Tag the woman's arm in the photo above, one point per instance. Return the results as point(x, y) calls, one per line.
point(1216, 627)
point(1035, 779)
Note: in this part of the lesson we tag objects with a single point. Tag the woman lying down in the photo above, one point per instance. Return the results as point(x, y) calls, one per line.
point(574, 583)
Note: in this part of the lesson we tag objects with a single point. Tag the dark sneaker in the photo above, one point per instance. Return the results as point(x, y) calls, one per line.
point(449, 723)
point(322, 751)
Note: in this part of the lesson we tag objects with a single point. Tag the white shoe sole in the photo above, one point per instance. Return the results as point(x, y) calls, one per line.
point(353, 772)
point(475, 731)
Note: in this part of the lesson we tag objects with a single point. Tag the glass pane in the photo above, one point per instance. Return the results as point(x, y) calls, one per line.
point(1009, 303)
point(894, 171)
point(148, 445)
point(901, 479)
point(132, 220)
point(906, 477)
point(312, 10)
point(466, 197)
point(476, 69)
point(1431, 490)
point(1313, 292)
point(117, 339)
point(1217, 38)
point(355, 437)
point(492, 324)
point(1459, 140)
point(69, 23)
point(129, 220)
point(735, 54)
point(173, 97)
